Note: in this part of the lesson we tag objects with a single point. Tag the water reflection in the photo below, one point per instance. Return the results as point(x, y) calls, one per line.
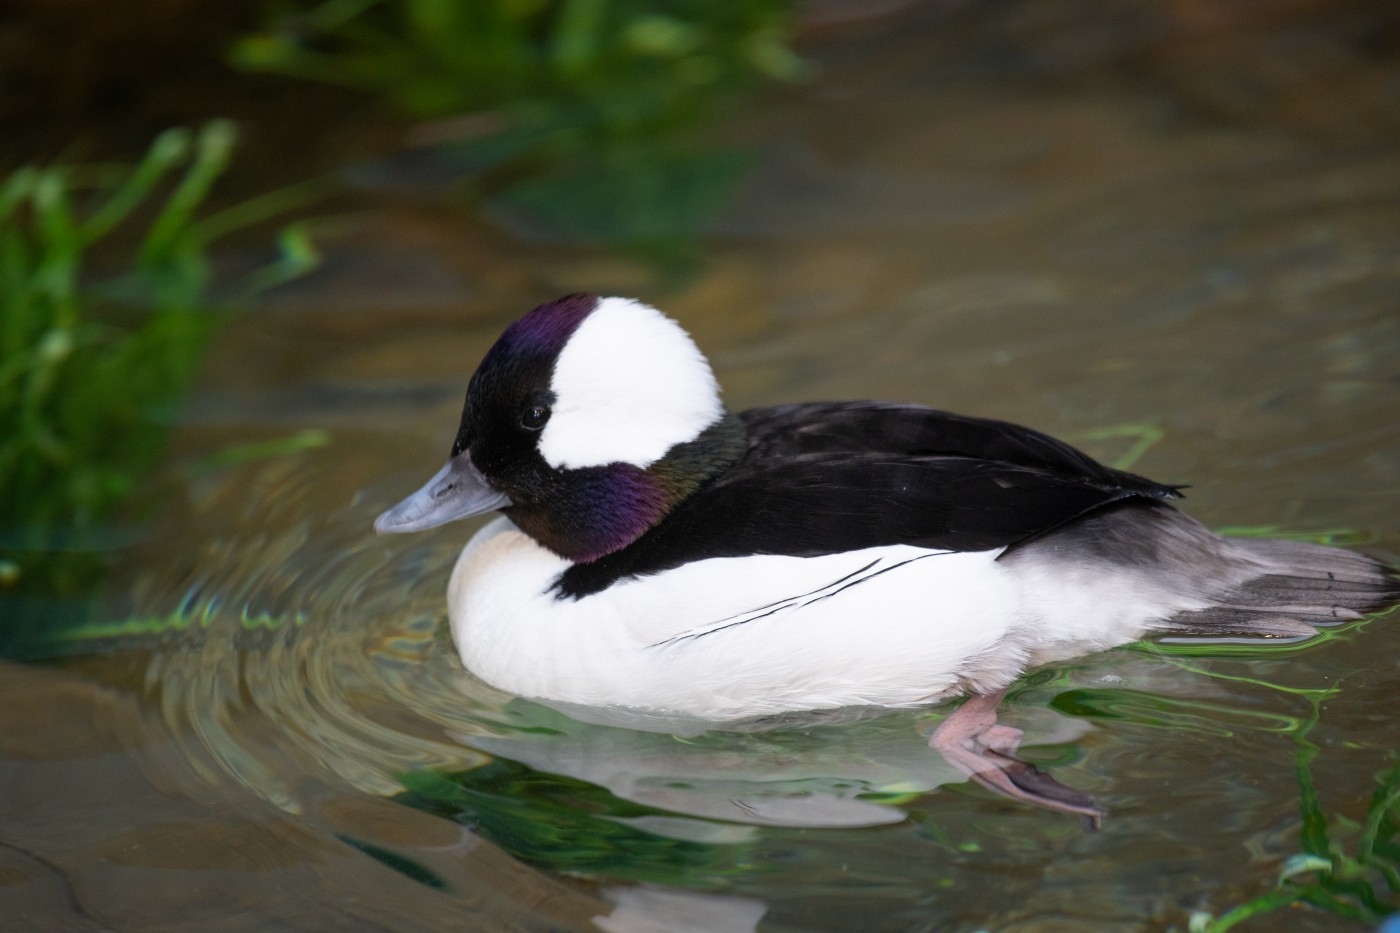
point(1109, 239)
point(311, 650)
point(644, 908)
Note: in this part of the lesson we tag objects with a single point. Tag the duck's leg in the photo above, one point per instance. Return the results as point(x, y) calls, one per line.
point(973, 742)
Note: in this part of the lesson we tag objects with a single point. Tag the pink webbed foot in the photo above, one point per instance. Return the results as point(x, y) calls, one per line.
point(974, 743)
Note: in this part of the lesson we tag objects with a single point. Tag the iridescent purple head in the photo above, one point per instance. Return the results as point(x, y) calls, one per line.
point(525, 353)
point(585, 423)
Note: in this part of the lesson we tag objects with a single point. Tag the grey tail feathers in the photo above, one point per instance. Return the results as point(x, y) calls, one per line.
point(1298, 587)
point(1251, 587)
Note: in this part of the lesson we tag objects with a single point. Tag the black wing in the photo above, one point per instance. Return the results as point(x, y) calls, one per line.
point(913, 430)
point(829, 477)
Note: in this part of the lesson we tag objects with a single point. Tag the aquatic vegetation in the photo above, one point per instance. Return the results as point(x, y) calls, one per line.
point(1344, 869)
point(576, 119)
point(637, 65)
point(104, 315)
point(179, 620)
point(1363, 884)
point(401, 864)
point(1347, 870)
point(567, 825)
point(1142, 435)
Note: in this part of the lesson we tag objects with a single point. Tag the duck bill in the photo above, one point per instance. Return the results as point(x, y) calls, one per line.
point(458, 490)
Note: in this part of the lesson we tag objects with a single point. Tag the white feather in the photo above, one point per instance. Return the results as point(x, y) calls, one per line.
point(731, 638)
point(629, 385)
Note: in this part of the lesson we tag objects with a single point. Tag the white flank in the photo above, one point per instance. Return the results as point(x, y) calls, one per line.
point(630, 385)
point(731, 638)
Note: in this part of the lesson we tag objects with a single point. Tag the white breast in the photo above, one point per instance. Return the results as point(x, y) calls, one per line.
point(730, 638)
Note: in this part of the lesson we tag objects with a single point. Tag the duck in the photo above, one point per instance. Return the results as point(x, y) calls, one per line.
point(658, 553)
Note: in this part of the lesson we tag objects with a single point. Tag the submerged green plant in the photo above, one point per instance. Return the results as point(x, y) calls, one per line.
point(567, 825)
point(575, 119)
point(1363, 884)
point(1144, 437)
point(91, 364)
point(1360, 882)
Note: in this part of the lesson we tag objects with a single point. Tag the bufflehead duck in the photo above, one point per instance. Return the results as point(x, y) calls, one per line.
point(656, 552)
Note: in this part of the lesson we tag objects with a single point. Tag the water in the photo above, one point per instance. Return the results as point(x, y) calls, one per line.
point(1143, 232)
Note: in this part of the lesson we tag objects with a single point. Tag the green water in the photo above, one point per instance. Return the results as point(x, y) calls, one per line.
point(1169, 233)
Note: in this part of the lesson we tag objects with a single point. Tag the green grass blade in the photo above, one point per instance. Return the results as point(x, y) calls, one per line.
point(169, 149)
point(18, 188)
point(211, 155)
point(258, 210)
point(299, 256)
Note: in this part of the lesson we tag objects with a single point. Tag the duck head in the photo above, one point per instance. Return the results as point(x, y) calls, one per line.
point(586, 423)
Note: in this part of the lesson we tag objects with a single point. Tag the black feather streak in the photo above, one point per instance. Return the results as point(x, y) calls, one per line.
point(796, 602)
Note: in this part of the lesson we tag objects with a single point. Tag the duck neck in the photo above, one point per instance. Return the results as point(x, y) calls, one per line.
point(590, 512)
point(688, 466)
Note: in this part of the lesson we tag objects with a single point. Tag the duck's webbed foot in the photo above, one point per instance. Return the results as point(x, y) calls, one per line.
point(973, 742)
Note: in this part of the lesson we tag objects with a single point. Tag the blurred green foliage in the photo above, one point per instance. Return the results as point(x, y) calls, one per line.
point(575, 119)
point(635, 67)
point(91, 364)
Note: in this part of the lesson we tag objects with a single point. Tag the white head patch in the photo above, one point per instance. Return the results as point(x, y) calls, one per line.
point(629, 385)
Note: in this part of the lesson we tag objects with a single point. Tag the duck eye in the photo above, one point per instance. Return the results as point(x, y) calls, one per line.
point(534, 418)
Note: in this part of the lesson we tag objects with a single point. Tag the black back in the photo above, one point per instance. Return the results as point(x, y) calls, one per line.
point(823, 478)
